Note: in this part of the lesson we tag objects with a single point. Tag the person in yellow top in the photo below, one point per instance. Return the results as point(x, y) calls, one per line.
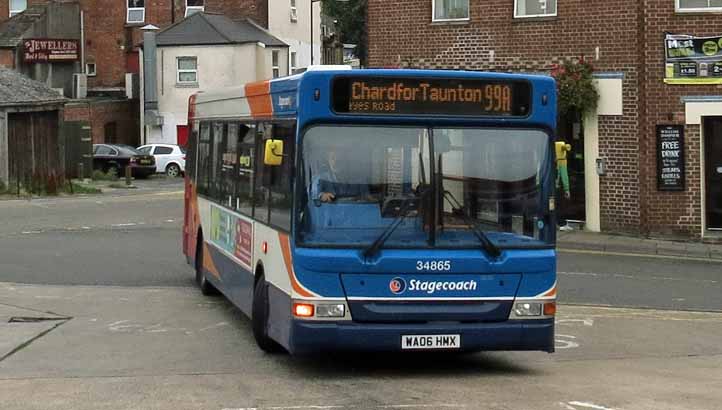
point(562, 148)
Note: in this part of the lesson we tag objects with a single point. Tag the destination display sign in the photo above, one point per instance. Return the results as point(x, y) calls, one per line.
point(670, 157)
point(431, 96)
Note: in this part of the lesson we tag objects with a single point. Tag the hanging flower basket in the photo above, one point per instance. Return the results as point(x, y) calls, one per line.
point(575, 87)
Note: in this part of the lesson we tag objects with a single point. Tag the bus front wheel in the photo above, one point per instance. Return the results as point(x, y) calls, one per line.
point(259, 318)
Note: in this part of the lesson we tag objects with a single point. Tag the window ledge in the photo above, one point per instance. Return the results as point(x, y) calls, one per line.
point(450, 22)
point(134, 24)
point(186, 85)
point(681, 13)
point(535, 19)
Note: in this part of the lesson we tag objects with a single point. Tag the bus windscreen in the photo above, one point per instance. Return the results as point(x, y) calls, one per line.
point(431, 96)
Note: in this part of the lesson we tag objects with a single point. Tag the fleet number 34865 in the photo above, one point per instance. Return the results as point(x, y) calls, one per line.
point(433, 265)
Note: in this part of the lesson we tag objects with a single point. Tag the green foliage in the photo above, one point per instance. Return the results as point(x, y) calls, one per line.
point(99, 175)
point(74, 187)
point(351, 18)
point(575, 86)
point(3, 187)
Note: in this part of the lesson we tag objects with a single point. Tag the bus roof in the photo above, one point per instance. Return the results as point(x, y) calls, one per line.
point(278, 98)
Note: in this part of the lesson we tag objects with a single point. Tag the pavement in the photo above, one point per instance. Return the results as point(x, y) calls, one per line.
point(611, 244)
point(115, 347)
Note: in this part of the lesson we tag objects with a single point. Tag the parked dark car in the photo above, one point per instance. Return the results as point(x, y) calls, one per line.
point(116, 157)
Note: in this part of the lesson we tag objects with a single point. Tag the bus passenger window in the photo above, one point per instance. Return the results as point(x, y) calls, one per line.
point(281, 178)
point(260, 196)
point(246, 161)
point(229, 162)
point(192, 148)
point(217, 140)
point(204, 160)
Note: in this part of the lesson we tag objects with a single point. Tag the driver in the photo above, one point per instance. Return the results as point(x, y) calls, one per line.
point(330, 184)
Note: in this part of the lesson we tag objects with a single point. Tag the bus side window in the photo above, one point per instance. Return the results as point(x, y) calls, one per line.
point(229, 164)
point(281, 177)
point(246, 162)
point(260, 199)
point(204, 159)
point(217, 142)
point(191, 150)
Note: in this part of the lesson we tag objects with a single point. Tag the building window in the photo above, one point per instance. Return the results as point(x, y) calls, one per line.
point(187, 70)
point(194, 6)
point(274, 64)
point(699, 5)
point(136, 11)
point(90, 70)
point(535, 8)
point(17, 6)
point(294, 11)
point(293, 62)
point(444, 10)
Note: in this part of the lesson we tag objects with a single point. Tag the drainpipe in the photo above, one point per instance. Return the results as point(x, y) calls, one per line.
point(82, 41)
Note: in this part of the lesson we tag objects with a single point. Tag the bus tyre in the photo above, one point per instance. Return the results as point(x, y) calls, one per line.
point(207, 289)
point(259, 318)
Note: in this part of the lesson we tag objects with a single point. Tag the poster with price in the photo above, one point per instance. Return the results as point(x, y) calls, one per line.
point(670, 158)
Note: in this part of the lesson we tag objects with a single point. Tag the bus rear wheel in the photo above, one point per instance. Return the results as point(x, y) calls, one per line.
point(207, 289)
point(259, 318)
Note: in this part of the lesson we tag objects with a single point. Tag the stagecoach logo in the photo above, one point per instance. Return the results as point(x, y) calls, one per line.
point(397, 286)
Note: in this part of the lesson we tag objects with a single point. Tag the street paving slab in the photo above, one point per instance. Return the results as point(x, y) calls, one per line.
point(171, 348)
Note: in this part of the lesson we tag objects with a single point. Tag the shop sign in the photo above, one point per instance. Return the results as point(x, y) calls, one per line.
point(670, 158)
point(43, 50)
point(693, 60)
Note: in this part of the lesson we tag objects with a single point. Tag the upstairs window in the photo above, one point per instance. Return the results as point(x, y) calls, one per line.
point(293, 62)
point(535, 8)
point(294, 11)
point(699, 5)
point(194, 6)
point(275, 66)
point(444, 10)
point(136, 11)
point(187, 70)
point(17, 6)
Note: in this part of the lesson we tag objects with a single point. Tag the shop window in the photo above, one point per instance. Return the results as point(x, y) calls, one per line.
point(17, 6)
point(136, 11)
point(187, 71)
point(699, 5)
point(444, 10)
point(194, 6)
point(535, 8)
point(275, 64)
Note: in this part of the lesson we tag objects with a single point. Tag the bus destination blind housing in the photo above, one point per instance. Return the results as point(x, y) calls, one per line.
point(431, 96)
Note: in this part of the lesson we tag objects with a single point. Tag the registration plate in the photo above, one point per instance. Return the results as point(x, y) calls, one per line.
point(145, 161)
point(430, 341)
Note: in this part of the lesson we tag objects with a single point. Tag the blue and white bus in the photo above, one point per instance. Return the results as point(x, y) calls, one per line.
point(378, 209)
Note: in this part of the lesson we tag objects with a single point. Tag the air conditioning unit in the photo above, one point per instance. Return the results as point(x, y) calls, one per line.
point(294, 14)
point(132, 86)
point(80, 86)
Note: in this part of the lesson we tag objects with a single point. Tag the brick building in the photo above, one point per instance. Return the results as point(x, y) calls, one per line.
point(626, 39)
point(110, 32)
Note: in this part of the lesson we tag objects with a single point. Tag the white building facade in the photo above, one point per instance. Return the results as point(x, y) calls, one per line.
point(290, 21)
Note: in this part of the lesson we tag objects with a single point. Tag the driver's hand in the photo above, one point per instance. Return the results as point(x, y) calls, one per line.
point(327, 197)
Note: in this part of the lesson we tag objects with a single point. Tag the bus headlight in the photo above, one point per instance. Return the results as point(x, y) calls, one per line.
point(528, 309)
point(336, 310)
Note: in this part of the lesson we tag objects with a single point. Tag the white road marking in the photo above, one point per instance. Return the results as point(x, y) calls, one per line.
point(383, 406)
point(125, 224)
point(214, 326)
point(585, 322)
point(566, 406)
point(589, 405)
point(561, 342)
point(622, 276)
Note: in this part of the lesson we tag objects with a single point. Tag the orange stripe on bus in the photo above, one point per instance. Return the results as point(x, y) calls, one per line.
point(286, 250)
point(208, 263)
point(259, 98)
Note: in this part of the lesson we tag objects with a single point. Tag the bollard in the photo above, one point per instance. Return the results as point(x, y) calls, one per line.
point(127, 176)
point(81, 170)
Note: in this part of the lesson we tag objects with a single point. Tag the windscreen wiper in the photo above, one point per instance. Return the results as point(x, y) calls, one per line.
point(406, 207)
point(487, 244)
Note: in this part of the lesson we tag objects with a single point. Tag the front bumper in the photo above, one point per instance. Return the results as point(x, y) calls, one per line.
point(314, 336)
